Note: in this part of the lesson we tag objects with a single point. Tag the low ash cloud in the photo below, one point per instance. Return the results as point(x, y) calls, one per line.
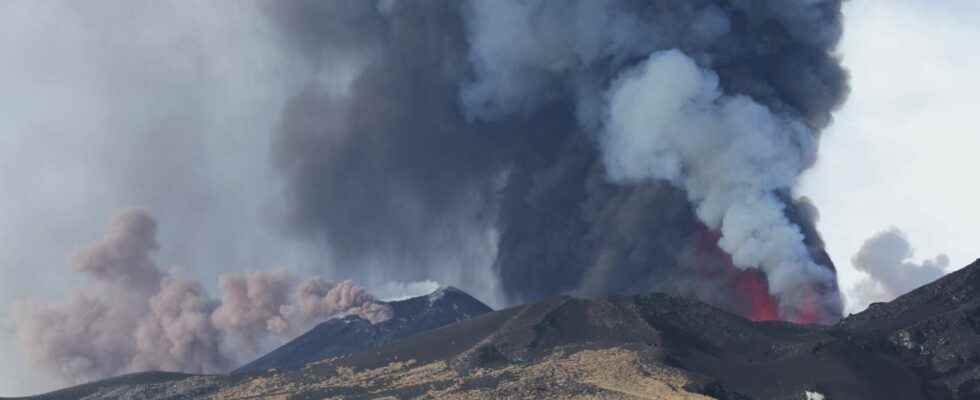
point(589, 147)
point(134, 316)
point(887, 259)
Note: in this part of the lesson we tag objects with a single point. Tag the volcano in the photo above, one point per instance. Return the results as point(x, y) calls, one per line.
point(923, 345)
point(348, 335)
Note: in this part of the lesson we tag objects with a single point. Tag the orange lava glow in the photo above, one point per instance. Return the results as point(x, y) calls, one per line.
point(751, 285)
point(808, 312)
point(747, 290)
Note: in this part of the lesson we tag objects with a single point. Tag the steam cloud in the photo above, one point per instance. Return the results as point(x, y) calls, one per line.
point(136, 317)
point(603, 146)
point(668, 120)
point(887, 259)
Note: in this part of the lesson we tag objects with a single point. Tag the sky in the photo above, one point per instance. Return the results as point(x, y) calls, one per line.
point(194, 146)
point(898, 153)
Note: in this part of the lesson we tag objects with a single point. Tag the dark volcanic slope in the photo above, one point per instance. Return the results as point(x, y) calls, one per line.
point(88, 389)
point(924, 345)
point(934, 330)
point(758, 360)
point(347, 335)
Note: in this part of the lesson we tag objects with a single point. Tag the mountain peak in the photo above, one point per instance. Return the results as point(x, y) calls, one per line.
point(924, 345)
point(352, 333)
point(443, 291)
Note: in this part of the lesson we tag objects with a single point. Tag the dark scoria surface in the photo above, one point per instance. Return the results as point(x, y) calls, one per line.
point(933, 330)
point(923, 345)
point(350, 334)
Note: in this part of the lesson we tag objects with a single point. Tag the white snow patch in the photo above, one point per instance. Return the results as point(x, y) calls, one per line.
point(440, 293)
point(395, 291)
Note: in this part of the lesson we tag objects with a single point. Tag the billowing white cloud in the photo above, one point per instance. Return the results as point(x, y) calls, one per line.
point(668, 120)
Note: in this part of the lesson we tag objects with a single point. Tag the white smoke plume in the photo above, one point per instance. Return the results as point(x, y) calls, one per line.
point(516, 101)
point(668, 119)
point(665, 115)
point(887, 259)
point(136, 317)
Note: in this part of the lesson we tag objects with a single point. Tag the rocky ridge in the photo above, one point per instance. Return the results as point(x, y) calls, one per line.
point(923, 345)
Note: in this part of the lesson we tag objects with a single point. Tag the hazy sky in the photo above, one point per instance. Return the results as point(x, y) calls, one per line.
point(108, 107)
point(899, 153)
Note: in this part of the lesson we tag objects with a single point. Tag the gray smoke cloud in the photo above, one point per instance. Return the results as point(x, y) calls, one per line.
point(887, 259)
point(669, 121)
point(491, 145)
point(512, 120)
point(134, 316)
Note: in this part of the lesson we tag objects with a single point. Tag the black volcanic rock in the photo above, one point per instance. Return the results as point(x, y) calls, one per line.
point(735, 357)
point(924, 345)
point(351, 334)
point(933, 330)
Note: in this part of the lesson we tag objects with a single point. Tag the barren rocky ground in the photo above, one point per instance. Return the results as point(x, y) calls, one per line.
point(610, 373)
point(924, 345)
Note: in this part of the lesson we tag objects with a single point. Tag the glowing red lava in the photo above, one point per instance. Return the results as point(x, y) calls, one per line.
point(746, 291)
point(751, 285)
point(808, 312)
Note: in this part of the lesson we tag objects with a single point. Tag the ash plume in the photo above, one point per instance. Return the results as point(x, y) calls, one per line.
point(887, 259)
point(517, 149)
point(134, 316)
point(257, 304)
point(123, 257)
point(669, 121)
point(604, 147)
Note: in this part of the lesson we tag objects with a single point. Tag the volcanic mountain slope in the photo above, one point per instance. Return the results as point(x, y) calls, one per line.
point(350, 334)
point(934, 331)
point(924, 345)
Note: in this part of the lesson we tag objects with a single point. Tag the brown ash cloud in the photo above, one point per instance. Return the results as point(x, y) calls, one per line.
point(134, 316)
